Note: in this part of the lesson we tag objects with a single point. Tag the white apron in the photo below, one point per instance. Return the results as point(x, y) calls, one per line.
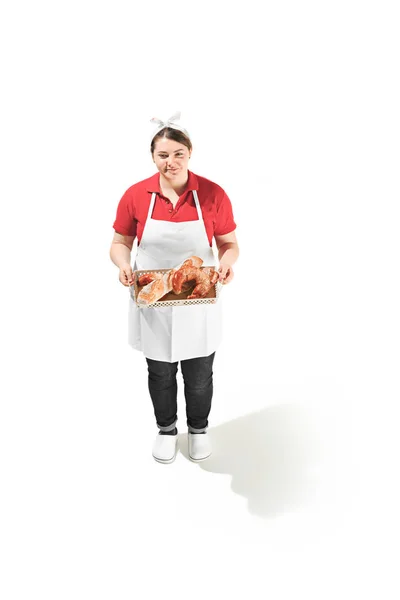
point(174, 333)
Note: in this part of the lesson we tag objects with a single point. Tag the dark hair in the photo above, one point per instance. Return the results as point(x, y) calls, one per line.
point(172, 134)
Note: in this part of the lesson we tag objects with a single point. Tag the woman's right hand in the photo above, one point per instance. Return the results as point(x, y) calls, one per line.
point(126, 275)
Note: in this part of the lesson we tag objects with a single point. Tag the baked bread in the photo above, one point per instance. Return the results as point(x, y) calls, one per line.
point(182, 278)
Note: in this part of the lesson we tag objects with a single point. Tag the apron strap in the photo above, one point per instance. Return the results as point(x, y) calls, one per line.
point(152, 202)
point(200, 215)
point(196, 200)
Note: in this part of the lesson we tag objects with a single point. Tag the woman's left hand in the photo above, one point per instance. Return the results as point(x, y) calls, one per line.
point(225, 273)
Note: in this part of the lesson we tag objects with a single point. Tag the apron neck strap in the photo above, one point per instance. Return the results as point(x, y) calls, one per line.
point(152, 201)
point(196, 200)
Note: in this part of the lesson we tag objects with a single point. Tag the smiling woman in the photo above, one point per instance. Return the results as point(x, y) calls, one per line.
point(175, 215)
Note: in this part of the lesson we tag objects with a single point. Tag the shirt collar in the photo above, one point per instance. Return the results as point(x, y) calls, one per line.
point(153, 184)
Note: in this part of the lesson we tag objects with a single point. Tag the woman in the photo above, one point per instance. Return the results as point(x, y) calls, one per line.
point(175, 214)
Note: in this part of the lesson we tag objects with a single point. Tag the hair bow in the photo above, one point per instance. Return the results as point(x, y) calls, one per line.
point(169, 123)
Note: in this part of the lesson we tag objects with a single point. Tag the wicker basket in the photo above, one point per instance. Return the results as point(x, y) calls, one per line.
point(171, 299)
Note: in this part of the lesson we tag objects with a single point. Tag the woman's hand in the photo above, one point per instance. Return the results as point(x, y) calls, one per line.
point(225, 273)
point(126, 275)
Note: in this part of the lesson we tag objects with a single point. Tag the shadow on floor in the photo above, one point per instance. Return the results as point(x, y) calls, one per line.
point(273, 456)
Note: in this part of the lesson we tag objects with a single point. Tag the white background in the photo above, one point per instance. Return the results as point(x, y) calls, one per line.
point(293, 110)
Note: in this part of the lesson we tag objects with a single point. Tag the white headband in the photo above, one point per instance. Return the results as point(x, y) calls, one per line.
point(168, 123)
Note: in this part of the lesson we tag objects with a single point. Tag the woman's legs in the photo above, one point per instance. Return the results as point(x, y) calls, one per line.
point(198, 378)
point(163, 391)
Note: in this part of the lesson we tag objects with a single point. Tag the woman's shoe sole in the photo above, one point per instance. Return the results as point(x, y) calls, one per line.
point(165, 462)
point(199, 459)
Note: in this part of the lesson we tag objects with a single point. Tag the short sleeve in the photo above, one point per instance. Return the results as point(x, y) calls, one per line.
point(224, 221)
point(125, 222)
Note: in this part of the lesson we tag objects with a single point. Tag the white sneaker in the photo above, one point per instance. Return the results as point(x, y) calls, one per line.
point(199, 446)
point(165, 448)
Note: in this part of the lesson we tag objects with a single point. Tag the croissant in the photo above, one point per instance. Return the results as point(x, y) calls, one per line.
point(201, 290)
point(204, 280)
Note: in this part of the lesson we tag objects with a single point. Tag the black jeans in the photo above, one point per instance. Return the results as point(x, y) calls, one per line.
point(198, 385)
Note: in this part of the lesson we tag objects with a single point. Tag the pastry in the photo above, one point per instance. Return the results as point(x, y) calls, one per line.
point(182, 278)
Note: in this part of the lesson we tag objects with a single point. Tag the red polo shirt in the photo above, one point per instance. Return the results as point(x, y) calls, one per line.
point(215, 205)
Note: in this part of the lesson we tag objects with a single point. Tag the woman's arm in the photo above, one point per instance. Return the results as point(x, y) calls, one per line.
point(228, 253)
point(120, 254)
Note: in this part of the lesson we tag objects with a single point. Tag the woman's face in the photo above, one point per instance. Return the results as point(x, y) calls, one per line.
point(171, 158)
